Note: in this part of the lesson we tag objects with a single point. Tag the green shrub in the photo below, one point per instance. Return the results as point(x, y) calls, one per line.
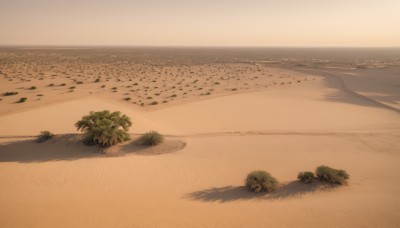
point(44, 135)
point(331, 175)
point(33, 87)
point(10, 93)
point(306, 177)
point(261, 181)
point(151, 138)
point(154, 103)
point(97, 80)
point(22, 99)
point(104, 128)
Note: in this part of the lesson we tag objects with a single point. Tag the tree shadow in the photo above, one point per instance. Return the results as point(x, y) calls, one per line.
point(71, 147)
point(60, 148)
point(293, 189)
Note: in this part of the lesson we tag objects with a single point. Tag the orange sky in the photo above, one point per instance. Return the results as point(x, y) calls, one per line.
point(201, 23)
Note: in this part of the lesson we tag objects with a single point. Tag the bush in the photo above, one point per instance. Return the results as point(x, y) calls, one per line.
point(261, 181)
point(10, 93)
point(22, 99)
point(331, 175)
point(44, 135)
point(306, 177)
point(104, 128)
point(33, 87)
point(151, 138)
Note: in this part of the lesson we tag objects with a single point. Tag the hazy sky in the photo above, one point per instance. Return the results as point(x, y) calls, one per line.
point(201, 23)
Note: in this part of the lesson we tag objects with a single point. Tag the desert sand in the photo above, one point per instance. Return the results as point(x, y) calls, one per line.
point(232, 113)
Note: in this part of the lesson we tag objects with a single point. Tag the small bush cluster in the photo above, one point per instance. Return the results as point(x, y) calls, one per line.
point(331, 175)
point(306, 177)
point(44, 135)
point(325, 174)
point(261, 181)
point(151, 138)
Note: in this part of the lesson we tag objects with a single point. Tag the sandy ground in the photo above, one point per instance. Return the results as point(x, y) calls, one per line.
point(329, 118)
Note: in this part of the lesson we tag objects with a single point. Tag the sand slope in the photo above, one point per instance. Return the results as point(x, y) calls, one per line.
point(283, 130)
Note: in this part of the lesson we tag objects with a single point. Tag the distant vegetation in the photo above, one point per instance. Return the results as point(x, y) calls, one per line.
point(44, 135)
point(22, 100)
point(104, 128)
point(151, 138)
point(10, 93)
point(261, 181)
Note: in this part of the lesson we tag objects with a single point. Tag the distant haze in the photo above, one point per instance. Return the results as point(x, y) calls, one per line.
point(201, 22)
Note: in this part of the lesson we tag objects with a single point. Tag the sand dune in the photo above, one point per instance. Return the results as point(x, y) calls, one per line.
point(196, 178)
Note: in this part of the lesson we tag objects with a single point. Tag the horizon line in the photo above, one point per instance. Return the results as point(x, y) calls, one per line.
point(194, 46)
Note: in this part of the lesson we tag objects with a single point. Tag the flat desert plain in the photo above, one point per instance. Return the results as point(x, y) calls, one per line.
point(224, 113)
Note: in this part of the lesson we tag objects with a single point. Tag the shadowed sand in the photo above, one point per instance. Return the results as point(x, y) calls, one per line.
point(293, 189)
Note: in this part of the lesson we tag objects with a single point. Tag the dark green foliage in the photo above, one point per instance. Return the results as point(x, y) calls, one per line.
point(22, 100)
point(306, 177)
point(105, 128)
point(151, 138)
point(261, 181)
point(10, 93)
point(97, 80)
point(33, 87)
point(331, 175)
point(44, 135)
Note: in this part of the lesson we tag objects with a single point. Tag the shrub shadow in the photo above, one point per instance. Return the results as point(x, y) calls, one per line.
point(293, 189)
